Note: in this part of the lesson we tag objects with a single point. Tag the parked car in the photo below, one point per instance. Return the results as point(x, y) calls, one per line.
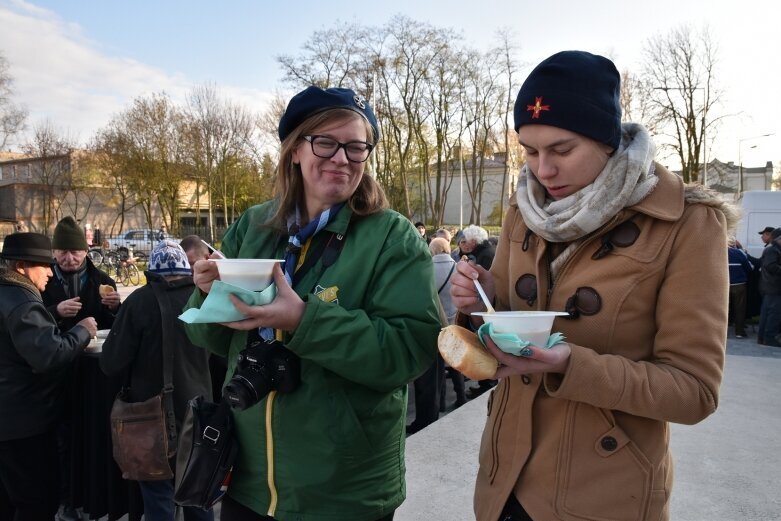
point(141, 241)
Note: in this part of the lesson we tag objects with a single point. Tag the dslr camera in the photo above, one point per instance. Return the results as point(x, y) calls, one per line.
point(263, 366)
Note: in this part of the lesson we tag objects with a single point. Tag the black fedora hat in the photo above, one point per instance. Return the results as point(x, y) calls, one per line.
point(768, 229)
point(29, 247)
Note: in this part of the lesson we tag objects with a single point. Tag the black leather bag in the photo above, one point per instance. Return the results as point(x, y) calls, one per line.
point(207, 450)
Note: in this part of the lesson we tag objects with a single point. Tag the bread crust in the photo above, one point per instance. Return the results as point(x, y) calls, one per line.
point(105, 289)
point(465, 353)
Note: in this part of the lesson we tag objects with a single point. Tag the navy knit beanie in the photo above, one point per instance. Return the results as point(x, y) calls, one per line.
point(576, 91)
point(314, 100)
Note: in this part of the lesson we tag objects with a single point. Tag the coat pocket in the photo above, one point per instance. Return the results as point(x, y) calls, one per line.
point(602, 475)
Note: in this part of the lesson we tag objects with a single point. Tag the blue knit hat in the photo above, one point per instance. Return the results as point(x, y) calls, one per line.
point(168, 258)
point(576, 91)
point(314, 100)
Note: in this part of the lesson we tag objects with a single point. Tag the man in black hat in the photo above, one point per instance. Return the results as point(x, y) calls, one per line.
point(770, 288)
point(34, 355)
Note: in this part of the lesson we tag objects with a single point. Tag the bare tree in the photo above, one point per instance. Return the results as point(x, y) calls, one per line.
point(53, 148)
point(679, 73)
point(12, 116)
point(506, 50)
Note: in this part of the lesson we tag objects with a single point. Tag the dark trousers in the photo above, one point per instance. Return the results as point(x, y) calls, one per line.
point(737, 301)
point(159, 503)
point(427, 387)
point(232, 510)
point(513, 511)
point(29, 478)
point(770, 320)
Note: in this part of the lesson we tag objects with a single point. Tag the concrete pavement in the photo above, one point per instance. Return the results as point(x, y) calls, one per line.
point(726, 467)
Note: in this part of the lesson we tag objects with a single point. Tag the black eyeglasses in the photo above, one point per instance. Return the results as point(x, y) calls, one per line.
point(325, 147)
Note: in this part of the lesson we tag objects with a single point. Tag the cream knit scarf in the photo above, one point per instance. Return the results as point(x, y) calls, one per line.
point(628, 177)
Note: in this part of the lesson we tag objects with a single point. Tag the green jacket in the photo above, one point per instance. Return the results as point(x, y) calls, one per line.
point(336, 444)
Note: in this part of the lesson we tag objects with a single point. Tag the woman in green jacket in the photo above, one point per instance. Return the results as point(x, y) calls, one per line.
point(355, 303)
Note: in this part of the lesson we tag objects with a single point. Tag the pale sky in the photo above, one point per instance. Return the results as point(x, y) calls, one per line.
point(78, 63)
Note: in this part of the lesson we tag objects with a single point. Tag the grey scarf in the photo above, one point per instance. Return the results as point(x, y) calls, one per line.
point(628, 177)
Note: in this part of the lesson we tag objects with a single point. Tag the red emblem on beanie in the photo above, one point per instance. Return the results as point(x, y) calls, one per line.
point(537, 107)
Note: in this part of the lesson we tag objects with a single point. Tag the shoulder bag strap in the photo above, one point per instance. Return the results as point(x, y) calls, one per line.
point(166, 315)
point(452, 267)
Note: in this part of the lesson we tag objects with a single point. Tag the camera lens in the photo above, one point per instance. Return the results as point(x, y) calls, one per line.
point(246, 388)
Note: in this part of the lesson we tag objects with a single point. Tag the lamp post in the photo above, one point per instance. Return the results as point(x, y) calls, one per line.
point(740, 160)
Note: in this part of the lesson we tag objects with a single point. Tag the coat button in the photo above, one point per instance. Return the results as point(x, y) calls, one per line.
point(526, 379)
point(609, 443)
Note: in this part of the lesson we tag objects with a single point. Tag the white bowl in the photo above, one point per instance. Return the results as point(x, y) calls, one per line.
point(250, 274)
point(533, 326)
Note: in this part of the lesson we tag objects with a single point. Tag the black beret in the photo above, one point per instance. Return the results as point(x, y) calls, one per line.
point(574, 90)
point(313, 100)
point(29, 247)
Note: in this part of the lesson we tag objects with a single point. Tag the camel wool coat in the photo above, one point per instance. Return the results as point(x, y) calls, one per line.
point(647, 296)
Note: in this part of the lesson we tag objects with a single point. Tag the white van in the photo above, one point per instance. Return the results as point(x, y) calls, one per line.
point(760, 208)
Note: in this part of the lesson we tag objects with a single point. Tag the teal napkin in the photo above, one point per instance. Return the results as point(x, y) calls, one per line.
point(218, 307)
point(510, 342)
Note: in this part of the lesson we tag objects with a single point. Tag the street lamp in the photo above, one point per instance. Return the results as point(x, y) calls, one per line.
point(740, 160)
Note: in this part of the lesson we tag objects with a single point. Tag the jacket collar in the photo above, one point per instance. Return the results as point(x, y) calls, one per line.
point(9, 277)
point(666, 201)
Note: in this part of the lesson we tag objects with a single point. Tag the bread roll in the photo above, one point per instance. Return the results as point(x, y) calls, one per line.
point(463, 351)
point(105, 289)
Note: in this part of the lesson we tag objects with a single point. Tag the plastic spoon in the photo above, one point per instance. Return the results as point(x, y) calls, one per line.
point(212, 248)
point(488, 307)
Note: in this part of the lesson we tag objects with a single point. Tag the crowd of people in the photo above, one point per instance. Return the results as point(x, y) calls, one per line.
point(595, 228)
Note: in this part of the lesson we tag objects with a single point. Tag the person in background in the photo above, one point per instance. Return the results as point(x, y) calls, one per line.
point(444, 267)
point(443, 233)
point(475, 245)
point(356, 306)
point(739, 270)
point(162, 233)
point(456, 253)
point(422, 231)
point(34, 358)
point(135, 346)
point(97, 237)
point(770, 288)
point(196, 250)
point(72, 294)
point(599, 230)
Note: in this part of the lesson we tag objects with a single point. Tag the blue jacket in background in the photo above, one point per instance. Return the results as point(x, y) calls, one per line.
point(739, 266)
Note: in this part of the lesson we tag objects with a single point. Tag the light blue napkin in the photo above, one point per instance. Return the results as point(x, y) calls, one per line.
point(511, 343)
point(218, 308)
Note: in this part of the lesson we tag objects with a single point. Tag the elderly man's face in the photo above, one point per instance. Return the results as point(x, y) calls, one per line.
point(70, 260)
point(38, 274)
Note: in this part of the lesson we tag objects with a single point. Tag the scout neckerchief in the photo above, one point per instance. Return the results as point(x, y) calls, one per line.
point(298, 238)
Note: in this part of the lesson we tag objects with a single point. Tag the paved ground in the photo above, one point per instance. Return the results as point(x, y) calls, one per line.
point(726, 467)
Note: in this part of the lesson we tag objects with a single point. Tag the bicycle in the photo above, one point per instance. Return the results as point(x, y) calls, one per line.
point(128, 273)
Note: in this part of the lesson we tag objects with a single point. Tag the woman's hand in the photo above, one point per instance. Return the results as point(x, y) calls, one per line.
point(284, 312)
point(534, 360)
point(463, 291)
point(204, 273)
